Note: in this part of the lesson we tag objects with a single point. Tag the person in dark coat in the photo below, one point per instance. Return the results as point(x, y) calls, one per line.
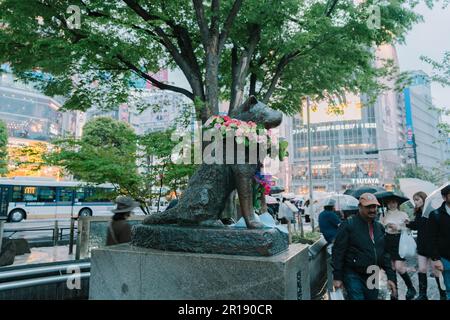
point(328, 225)
point(359, 249)
point(423, 251)
point(439, 235)
point(119, 230)
point(329, 221)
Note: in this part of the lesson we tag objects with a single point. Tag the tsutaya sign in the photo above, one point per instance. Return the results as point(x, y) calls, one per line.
point(366, 181)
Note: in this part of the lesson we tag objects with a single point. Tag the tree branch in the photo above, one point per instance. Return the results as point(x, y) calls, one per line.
point(241, 71)
point(215, 15)
point(229, 22)
point(278, 72)
point(155, 82)
point(252, 90)
point(286, 59)
point(131, 66)
point(201, 21)
point(144, 14)
point(186, 59)
point(331, 8)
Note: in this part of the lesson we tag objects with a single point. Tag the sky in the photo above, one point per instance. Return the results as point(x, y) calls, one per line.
point(429, 38)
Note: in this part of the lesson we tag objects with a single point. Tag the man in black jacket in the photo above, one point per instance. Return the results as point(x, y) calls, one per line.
point(439, 234)
point(359, 251)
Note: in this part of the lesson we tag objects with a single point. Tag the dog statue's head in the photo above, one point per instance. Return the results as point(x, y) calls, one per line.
point(258, 112)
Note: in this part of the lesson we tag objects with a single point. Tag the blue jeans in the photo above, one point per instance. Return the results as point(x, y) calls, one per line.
point(446, 275)
point(356, 287)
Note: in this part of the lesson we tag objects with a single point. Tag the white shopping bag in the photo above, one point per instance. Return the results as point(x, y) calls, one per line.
point(441, 281)
point(407, 246)
point(337, 295)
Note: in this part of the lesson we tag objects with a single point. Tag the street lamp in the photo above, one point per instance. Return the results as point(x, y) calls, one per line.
point(311, 214)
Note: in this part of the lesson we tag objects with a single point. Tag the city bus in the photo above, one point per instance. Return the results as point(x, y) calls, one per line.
point(30, 198)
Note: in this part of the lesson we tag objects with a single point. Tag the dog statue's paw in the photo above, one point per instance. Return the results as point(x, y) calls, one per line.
point(211, 223)
point(153, 219)
point(254, 225)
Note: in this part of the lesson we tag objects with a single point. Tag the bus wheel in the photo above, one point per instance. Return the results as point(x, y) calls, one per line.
point(85, 212)
point(16, 215)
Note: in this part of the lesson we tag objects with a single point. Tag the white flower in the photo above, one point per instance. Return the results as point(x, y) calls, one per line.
point(240, 140)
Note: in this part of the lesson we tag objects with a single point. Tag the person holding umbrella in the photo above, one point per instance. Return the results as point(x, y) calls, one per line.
point(439, 234)
point(420, 224)
point(394, 222)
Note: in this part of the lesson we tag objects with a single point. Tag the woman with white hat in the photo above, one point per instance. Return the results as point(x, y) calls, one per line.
point(119, 230)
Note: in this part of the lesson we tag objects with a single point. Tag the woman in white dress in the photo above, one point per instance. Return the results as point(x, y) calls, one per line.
point(395, 221)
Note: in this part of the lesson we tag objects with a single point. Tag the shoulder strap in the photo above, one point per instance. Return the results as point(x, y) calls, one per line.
point(111, 231)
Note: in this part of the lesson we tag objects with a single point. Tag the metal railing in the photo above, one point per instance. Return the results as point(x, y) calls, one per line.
point(57, 234)
point(36, 271)
point(32, 276)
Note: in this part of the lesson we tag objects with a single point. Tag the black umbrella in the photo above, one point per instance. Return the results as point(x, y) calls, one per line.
point(358, 191)
point(276, 189)
point(384, 196)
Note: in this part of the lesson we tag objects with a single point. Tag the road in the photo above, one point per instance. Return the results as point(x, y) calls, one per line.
point(13, 230)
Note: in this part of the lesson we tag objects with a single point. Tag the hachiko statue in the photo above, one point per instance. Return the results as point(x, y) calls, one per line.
point(209, 188)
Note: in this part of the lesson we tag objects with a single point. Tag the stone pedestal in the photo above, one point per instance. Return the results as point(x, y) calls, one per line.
point(234, 241)
point(134, 273)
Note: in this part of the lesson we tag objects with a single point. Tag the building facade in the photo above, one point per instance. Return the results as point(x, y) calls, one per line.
point(422, 121)
point(33, 120)
point(362, 144)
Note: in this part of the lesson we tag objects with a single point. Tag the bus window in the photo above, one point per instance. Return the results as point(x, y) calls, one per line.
point(65, 194)
point(46, 194)
point(79, 195)
point(102, 195)
point(30, 194)
point(17, 194)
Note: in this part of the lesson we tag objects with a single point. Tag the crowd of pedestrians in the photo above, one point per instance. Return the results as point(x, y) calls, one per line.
point(370, 240)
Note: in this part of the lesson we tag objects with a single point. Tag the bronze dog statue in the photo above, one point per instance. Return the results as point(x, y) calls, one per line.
point(209, 188)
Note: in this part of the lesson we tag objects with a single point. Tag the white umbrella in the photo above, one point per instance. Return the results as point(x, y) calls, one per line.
point(271, 200)
point(409, 186)
point(433, 201)
point(342, 202)
point(288, 195)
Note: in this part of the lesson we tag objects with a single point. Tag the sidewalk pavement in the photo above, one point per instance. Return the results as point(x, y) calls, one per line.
point(45, 254)
point(432, 292)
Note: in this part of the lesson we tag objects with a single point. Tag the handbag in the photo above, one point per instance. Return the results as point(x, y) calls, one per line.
point(407, 246)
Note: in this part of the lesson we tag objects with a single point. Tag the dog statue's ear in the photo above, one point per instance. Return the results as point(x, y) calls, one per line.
point(251, 101)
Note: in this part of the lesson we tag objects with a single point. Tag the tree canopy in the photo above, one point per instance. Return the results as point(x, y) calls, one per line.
point(277, 50)
point(110, 152)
